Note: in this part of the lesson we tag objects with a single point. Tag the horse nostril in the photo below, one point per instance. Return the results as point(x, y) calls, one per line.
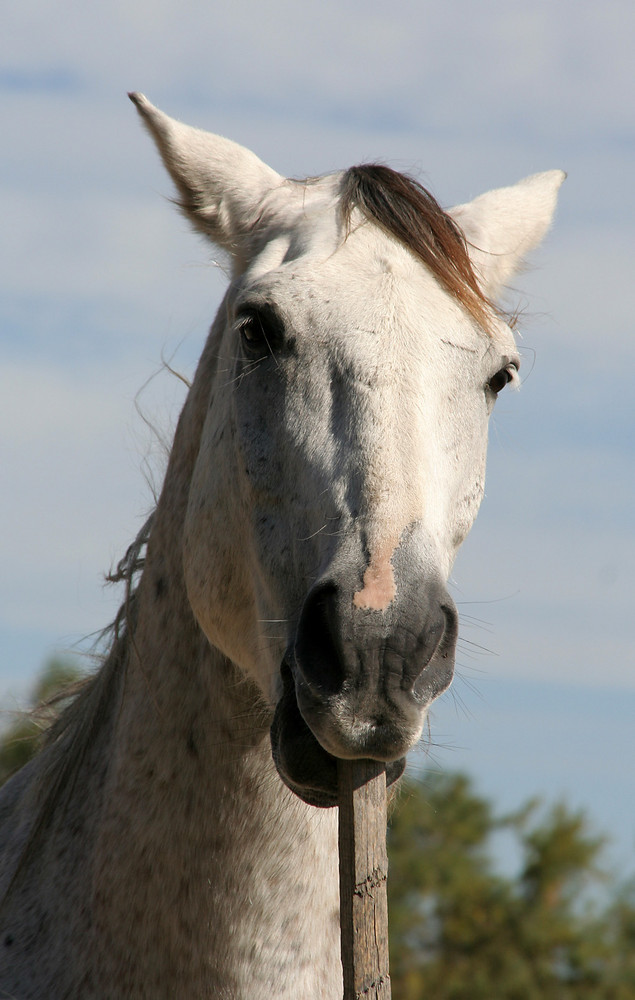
point(318, 650)
point(450, 635)
point(435, 674)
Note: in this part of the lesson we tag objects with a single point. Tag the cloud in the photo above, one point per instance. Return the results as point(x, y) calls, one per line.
point(548, 565)
point(497, 67)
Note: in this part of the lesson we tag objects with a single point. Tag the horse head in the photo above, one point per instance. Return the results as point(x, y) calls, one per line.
point(354, 365)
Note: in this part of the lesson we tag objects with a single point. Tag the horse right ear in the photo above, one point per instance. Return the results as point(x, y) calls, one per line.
point(221, 185)
point(503, 226)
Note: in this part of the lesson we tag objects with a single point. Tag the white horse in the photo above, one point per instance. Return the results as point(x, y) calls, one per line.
point(290, 605)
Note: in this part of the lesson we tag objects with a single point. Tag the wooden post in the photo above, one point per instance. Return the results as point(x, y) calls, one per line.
point(363, 877)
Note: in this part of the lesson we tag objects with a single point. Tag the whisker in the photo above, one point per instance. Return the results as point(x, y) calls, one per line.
point(308, 537)
point(476, 647)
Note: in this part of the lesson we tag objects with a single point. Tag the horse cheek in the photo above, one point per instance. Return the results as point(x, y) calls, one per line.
point(218, 579)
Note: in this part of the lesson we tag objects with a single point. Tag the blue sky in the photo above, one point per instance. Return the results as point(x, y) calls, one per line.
point(99, 278)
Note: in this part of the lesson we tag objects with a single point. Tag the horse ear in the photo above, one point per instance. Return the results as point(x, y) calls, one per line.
point(502, 226)
point(220, 184)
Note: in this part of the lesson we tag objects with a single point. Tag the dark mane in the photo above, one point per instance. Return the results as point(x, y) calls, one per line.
point(93, 700)
point(402, 207)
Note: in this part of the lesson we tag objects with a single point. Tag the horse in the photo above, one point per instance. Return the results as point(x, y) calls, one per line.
point(286, 603)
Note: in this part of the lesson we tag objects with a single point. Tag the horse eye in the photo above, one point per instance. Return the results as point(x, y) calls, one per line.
point(502, 378)
point(252, 332)
point(261, 331)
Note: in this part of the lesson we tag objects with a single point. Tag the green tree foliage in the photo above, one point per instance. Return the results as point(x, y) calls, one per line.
point(23, 737)
point(460, 930)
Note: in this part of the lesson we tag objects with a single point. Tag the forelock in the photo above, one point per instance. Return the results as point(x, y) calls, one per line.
point(405, 209)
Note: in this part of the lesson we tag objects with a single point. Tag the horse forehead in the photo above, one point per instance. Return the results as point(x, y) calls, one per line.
point(367, 253)
point(367, 280)
point(373, 284)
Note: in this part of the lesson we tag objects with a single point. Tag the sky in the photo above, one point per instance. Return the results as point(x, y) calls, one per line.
point(100, 280)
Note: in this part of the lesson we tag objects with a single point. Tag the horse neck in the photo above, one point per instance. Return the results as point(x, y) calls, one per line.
point(201, 850)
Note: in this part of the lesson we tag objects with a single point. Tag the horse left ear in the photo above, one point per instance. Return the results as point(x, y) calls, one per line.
point(502, 226)
point(221, 185)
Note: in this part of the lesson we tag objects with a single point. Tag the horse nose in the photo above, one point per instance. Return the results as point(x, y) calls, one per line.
point(404, 653)
point(356, 682)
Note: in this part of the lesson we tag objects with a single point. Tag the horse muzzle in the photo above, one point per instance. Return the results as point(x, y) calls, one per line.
point(356, 683)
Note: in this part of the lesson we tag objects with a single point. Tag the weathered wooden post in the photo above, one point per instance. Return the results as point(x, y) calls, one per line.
point(363, 878)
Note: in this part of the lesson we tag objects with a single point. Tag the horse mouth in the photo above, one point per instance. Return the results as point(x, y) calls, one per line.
point(303, 764)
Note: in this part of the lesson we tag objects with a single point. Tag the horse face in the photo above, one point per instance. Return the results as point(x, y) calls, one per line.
point(341, 463)
point(344, 452)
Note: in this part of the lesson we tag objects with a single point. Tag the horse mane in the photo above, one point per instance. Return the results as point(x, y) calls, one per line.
point(406, 210)
point(84, 713)
point(93, 700)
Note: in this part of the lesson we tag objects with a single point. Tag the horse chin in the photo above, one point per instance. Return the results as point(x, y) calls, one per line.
point(303, 764)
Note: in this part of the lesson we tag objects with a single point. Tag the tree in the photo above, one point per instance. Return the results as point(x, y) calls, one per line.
point(619, 929)
point(23, 738)
point(462, 931)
